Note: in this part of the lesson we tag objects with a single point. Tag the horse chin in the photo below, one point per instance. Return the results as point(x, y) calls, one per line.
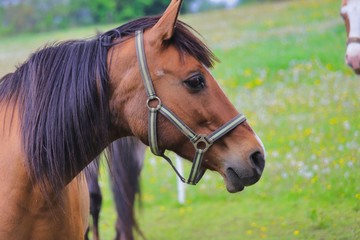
point(357, 71)
point(233, 181)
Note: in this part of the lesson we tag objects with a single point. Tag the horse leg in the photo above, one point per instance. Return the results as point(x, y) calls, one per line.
point(95, 197)
point(87, 233)
point(127, 156)
point(95, 207)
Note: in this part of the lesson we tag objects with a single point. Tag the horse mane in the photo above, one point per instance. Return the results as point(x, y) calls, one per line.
point(184, 38)
point(62, 95)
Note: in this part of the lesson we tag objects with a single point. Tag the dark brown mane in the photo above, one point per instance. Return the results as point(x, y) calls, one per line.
point(184, 38)
point(62, 97)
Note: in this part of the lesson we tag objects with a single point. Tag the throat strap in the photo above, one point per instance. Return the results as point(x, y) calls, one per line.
point(200, 142)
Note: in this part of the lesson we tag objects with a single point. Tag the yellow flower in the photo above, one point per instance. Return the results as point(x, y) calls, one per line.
point(182, 210)
point(357, 196)
point(258, 81)
point(296, 232)
point(148, 197)
point(314, 179)
point(247, 72)
point(329, 66)
point(249, 85)
point(263, 235)
point(307, 132)
point(333, 121)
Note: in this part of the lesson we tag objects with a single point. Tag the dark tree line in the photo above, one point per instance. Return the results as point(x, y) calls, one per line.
point(42, 15)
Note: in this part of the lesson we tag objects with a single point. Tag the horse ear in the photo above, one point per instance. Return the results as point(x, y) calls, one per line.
point(164, 28)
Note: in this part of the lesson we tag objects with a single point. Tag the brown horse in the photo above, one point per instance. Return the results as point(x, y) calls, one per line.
point(350, 11)
point(70, 100)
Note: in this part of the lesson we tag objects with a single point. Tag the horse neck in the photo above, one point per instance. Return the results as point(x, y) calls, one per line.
point(24, 209)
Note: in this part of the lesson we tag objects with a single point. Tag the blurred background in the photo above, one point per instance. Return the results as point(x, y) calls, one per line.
point(43, 15)
point(282, 65)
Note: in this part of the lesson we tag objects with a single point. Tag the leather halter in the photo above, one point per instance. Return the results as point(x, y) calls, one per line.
point(201, 142)
point(353, 40)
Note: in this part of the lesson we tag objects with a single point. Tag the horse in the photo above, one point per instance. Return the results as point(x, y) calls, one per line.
point(126, 157)
point(92, 180)
point(350, 12)
point(149, 78)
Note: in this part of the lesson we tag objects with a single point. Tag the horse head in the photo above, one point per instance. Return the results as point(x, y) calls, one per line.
point(178, 66)
point(350, 11)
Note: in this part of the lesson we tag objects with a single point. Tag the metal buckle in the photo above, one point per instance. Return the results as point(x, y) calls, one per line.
point(202, 143)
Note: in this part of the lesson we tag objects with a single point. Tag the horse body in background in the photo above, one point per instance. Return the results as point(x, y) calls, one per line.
point(92, 180)
point(70, 100)
point(126, 157)
point(350, 11)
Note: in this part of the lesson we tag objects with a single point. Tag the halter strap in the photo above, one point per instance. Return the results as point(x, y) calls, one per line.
point(353, 40)
point(201, 142)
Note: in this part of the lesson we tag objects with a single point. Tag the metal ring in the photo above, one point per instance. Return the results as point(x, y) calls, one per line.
point(202, 143)
point(153, 98)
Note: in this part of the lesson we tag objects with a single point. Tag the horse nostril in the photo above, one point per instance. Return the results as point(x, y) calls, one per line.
point(258, 162)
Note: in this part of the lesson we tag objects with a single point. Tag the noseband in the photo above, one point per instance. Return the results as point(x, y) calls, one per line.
point(353, 40)
point(201, 142)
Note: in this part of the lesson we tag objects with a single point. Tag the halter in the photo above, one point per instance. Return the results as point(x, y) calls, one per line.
point(353, 40)
point(201, 142)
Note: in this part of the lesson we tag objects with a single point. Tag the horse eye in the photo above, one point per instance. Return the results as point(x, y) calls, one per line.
point(195, 83)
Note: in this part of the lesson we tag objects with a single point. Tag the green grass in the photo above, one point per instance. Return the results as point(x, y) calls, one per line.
point(282, 65)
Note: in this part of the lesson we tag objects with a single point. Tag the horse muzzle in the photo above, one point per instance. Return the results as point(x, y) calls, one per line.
point(352, 57)
point(238, 176)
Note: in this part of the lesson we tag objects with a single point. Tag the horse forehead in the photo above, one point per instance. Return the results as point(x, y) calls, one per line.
point(352, 12)
point(351, 5)
point(176, 60)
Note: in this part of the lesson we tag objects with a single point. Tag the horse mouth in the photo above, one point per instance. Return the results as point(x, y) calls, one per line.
point(233, 181)
point(357, 71)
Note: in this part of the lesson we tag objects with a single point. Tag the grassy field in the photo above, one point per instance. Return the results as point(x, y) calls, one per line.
point(282, 65)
